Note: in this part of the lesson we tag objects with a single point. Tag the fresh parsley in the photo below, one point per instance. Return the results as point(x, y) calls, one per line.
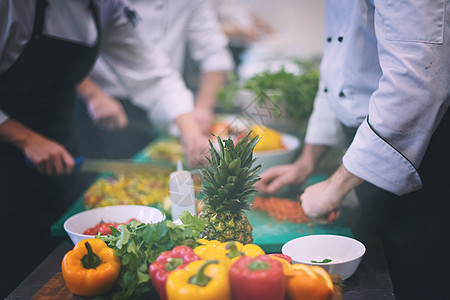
point(138, 245)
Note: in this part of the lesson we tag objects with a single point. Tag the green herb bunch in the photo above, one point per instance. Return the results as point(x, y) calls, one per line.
point(295, 93)
point(138, 245)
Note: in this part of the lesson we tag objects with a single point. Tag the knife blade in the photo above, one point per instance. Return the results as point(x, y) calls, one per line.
point(91, 165)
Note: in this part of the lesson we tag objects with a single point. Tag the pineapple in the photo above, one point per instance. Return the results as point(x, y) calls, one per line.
point(229, 183)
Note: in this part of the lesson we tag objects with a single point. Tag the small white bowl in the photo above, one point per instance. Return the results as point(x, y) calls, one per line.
point(77, 224)
point(345, 253)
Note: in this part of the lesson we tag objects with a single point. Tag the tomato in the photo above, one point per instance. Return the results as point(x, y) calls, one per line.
point(104, 228)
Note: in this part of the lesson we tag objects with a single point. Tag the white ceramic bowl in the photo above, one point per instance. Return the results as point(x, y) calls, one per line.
point(345, 253)
point(268, 159)
point(77, 224)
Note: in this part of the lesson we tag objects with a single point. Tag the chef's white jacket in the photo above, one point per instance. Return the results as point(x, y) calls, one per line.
point(147, 73)
point(173, 25)
point(385, 70)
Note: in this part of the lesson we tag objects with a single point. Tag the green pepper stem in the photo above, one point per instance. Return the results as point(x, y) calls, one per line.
point(173, 263)
point(258, 265)
point(90, 260)
point(234, 252)
point(200, 278)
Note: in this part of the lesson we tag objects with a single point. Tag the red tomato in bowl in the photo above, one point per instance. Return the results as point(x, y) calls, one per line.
point(104, 228)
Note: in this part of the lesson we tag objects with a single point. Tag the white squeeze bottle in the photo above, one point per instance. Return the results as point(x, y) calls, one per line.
point(181, 188)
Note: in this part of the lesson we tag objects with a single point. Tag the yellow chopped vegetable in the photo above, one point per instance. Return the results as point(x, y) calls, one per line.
point(128, 188)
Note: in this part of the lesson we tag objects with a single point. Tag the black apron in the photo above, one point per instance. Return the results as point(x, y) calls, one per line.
point(414, 228)
point(39, 91)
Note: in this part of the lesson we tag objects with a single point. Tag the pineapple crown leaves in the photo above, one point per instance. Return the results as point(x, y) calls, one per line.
point(230, 177)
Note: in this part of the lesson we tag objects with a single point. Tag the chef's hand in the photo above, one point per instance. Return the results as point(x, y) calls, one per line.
point(195, 143)
point(322, 200)
point(319, 201)
point(105, 111)
point(49, 157)
point(204, 117)
point(277, 177)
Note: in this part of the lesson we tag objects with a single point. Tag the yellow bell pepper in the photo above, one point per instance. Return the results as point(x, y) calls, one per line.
point(270, 138)
point(91, 268)
point(213, 250)
point(252, 250)
point(199, 280)
point(226, 252)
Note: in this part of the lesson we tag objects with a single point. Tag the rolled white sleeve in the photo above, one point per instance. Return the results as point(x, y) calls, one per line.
point(147, 74)
point(323, 126)
point(373, 159)
point(413, 95)
point(207, 42)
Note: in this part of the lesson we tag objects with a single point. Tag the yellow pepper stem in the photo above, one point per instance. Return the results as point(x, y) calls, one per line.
point(234, 252)
point(200, 278)
point(90, 260)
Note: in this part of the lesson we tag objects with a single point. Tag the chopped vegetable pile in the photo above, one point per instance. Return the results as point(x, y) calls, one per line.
point(282, 209)
point(129, 188)
point(169, 150)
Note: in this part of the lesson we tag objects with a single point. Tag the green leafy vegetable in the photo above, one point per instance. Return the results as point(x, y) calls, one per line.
point(138, 245)
point(295, 93)
point(326, 260)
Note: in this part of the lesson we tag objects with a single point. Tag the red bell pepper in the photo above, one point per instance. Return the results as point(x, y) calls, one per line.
point(177, 258)
point(258, 278)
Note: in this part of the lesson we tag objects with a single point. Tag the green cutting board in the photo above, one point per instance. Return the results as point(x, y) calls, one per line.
point(271, 234)
point(268, 232)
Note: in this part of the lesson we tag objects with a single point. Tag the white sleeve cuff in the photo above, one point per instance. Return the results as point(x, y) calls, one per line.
point(372, 159)
point(166, 110)
point(219, 62)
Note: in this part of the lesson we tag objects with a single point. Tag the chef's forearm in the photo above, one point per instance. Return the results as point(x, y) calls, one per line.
point(187, 125)
point(89, 90)
point(15, 133)
point(310, 157)
point(210, 85)
point(343, 181)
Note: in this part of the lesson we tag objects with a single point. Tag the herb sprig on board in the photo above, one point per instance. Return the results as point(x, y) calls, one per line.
point(138, 245)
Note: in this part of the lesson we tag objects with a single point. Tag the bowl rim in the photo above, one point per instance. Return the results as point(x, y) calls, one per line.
point(114, 207)
point(312, 236)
